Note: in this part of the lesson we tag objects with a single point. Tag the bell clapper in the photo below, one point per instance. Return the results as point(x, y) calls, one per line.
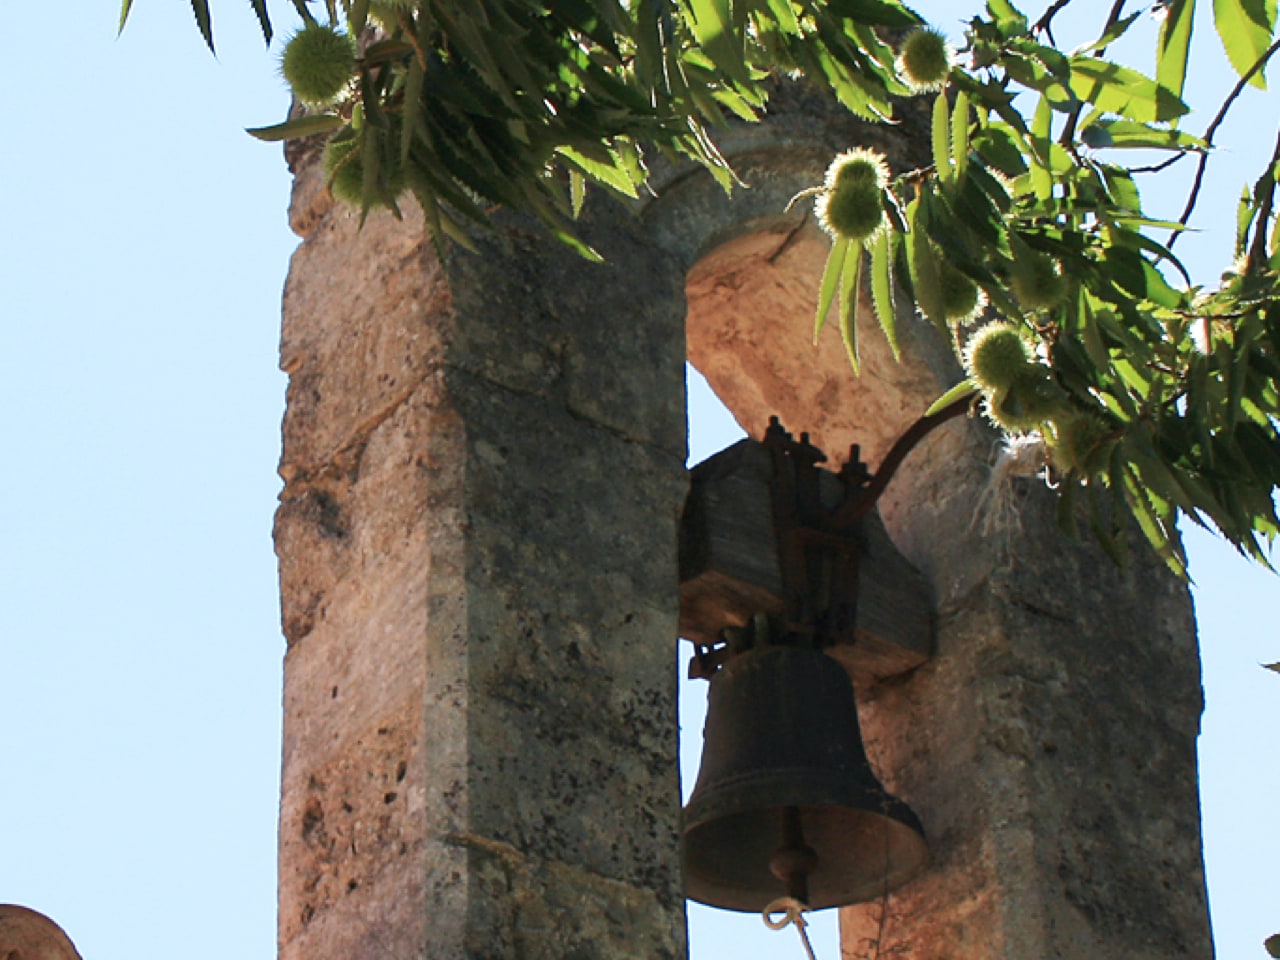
point(792, 863)
point(794, 860)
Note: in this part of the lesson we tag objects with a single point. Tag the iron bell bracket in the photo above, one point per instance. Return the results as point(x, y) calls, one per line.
point(817, 561)
point(775, 548)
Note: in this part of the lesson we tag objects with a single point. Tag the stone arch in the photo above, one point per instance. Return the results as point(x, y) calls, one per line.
point(752, 262)
point(1026, 621)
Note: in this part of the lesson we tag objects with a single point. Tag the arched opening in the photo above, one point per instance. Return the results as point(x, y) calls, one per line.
point(751, 301)
point(975, 740)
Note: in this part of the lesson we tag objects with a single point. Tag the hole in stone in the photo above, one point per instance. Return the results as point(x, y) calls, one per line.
point(312, 818)
point(401, 770)
point(389, 797)
point(329, 514)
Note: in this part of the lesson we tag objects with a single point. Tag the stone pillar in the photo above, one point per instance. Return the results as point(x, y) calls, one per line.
point(477, 538)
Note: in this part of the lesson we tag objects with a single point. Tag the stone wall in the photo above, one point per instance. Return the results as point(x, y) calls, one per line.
point(484, 469)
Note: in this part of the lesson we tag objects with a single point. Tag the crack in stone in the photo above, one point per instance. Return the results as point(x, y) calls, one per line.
point(346, 458)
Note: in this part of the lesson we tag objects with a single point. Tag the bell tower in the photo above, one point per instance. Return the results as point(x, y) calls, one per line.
point(479, 573)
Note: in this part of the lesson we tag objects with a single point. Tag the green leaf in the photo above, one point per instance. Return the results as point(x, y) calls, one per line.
point(1041, 127)
point(1130, 134)
point(357, 16)
point(264, 19)
point(1272, 943)
point(1000, 150)
point(577, 192)
point(965, 388)
point(203, 21)
point(712, 24)
point(875, 13)
point(411, 116)
point(850, 302)
point(941, 139)
point(960, 133)
point(299, 127)
point(882, 288)
point(609, 174)
point(1246, 211)
point(926, 281)
point(1009, 18)
point(652, 26)
point(1106, 535)
point(1174, 44)
point(1245, 28)
point(435, 221)
point(1154, 518)
point(1113, 33)
point(784, 15)
point(1134, 274)
point(740, 107)
point(1032, 72)
point(569, 239)
point(976, 213)
point(1120, 90)
point(125, 7)
point(371, 146)
point(830, 280)
point(1157, 478)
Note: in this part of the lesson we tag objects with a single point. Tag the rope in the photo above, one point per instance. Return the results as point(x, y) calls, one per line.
point(792, 911)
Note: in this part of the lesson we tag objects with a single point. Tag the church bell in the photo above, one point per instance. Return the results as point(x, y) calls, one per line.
point(786, 803)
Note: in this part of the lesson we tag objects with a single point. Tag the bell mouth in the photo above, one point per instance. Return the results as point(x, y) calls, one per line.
point(861, 855)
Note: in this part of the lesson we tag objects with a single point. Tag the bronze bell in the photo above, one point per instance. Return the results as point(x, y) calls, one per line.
point(786, 803)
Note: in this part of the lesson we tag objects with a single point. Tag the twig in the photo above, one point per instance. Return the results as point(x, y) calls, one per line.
point(1069, 128)
point(1043, 24)
point(1258, 248)
point(1208, 138)
point(1158, 167)
point(860, 504)
point(1113, 17)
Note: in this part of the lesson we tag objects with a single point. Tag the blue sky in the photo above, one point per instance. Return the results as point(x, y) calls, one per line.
point(143, 248)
